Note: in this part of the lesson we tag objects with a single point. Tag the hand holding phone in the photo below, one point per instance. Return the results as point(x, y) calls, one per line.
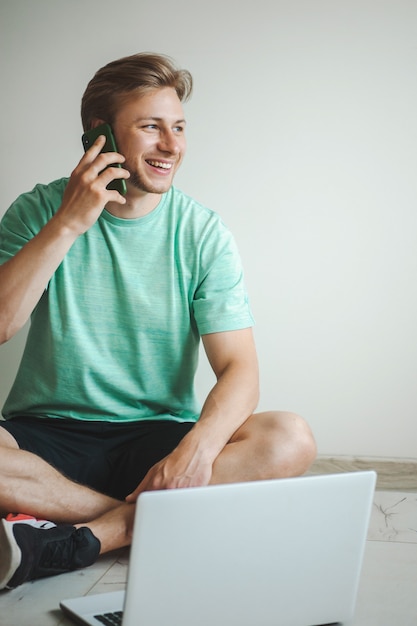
point(89, 138)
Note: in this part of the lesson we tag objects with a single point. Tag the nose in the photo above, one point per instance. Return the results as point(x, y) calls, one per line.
point(168, 142)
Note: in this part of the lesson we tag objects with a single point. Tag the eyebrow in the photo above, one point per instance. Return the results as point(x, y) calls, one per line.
point(157, 119)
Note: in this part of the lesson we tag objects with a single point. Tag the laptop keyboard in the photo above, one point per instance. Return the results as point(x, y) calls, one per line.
point(110, 619)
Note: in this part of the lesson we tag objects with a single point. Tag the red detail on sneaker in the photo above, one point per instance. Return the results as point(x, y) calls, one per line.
point(18, 517)
point(29, 519)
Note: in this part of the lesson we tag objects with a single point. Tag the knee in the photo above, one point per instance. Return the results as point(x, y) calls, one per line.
point(290, 443)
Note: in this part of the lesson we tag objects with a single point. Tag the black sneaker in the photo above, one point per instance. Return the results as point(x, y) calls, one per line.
point(28, 552)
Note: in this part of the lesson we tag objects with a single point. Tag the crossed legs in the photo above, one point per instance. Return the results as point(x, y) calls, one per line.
point(268, 445)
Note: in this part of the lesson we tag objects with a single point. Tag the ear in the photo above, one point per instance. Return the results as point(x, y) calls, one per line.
point(96, 122)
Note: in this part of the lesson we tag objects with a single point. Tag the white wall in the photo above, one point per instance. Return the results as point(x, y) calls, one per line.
point(302, 135)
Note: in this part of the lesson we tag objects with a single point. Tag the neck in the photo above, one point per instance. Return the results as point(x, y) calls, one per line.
point(138, 204)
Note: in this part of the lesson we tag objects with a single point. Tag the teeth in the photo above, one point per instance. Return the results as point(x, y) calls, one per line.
point(164, 166)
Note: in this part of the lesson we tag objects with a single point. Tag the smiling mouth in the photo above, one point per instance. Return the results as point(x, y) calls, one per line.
point(159, 164)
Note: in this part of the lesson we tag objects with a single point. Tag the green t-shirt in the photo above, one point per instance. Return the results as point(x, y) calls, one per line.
point(116, 333)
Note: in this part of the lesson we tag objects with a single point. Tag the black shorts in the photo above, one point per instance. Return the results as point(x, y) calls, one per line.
point(110, 458)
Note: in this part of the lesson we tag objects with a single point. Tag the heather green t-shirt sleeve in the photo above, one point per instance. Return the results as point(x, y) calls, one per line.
point(220, 301)
point(27, 216)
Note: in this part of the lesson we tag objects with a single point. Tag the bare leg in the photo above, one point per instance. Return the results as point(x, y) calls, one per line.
point(30, 485)
point(114, 529)
point(268, 445)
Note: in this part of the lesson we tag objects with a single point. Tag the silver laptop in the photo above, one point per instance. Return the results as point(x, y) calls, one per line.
point(270, 553)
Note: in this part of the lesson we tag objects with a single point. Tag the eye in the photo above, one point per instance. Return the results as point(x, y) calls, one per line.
point(178, 129)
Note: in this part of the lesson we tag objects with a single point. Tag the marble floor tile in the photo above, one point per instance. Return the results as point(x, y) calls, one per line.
point(116, 576)
point(394, 517)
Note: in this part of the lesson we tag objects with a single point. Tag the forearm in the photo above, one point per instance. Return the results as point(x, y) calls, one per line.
point(24, 277)
point(232, 400)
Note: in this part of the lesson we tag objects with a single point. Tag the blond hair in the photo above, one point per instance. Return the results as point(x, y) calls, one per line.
point(138, 73)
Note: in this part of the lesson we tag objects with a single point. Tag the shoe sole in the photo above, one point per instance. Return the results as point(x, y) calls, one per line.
point(10, 553)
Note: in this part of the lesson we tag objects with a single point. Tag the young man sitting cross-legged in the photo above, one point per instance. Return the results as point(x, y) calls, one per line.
point(120, 290)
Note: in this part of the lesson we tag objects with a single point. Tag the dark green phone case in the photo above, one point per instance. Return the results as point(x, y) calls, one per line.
point(89, 138)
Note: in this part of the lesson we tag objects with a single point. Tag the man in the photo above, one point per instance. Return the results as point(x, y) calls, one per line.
point(120, 289)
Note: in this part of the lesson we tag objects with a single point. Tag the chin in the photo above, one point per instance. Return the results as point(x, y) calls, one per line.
point(149, 186)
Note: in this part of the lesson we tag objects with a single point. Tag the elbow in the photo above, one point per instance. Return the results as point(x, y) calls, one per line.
point(4, 335)
point(7, 329)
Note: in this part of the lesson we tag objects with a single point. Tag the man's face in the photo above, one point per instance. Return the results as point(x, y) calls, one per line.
point(149, 131)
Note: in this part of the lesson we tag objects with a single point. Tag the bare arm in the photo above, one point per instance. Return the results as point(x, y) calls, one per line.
point(232, 400)
point(24, 277)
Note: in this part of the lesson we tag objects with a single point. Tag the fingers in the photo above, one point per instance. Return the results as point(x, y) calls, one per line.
point(95, 149)
point(132, 497)
point(99, 164)
point(94, 155)
point(86, 194)
point(95, 171)
point(167, 474)
point(152, 481)
point(109, 175)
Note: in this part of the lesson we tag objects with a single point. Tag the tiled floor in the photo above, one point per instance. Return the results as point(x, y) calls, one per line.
point(387, 594)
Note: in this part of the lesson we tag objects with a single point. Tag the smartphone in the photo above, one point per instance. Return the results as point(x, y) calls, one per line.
point(119, 184)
